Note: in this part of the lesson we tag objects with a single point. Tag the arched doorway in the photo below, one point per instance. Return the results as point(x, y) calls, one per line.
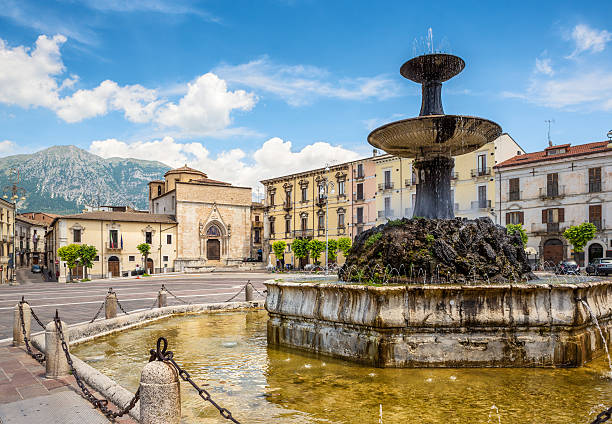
point(596, 251)
point(553, 251)
point(150, 266)
point(113, 266)
point(213, 244)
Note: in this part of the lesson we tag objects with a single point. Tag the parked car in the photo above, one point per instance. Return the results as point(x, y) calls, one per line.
point(568, 267)
point(600, 267)
point(36, 269)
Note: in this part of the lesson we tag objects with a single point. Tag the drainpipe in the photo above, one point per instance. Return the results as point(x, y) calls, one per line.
point(498, 174)
point(102, 246)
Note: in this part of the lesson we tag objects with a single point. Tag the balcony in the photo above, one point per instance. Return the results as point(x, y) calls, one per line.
point(550, 227)
point(359, 221)
point(552, 191)
point(287, 206)
point(454, 175)
point(481, 204)
point(598, 223)
point(387, 185)
point(408, 182)
point(387, 213)
point(514, 196)
point(594, 186)
point(257, 224)
point(359, 175)
point(359, 198)
point(303, 233)
point(481, 172)
point(113, 247)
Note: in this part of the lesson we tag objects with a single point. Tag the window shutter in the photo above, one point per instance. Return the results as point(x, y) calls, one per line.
point(507, 218)
point(561, 215)
point(544, 216)
point(522, 218)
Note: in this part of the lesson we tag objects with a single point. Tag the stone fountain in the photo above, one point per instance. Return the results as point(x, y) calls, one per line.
point(465, 299)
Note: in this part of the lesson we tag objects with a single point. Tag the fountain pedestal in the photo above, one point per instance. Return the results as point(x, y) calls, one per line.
point(433, 191)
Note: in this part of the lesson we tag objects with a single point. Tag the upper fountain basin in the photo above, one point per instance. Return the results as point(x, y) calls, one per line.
point(438, 67)
point(426, 136)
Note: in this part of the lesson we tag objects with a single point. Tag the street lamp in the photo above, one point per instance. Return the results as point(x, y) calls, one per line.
point(16, 193)
point(324, 193)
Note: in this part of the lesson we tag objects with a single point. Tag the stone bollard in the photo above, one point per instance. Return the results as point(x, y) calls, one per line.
point(17, 329)
point(162, 297)
point(160, 394)
point(110, 304)
point(248, 292)
point(55, 363)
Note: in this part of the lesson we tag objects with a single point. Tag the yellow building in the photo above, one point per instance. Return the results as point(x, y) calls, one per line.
point(115, 235)
point(472, 184)
point(7, 237)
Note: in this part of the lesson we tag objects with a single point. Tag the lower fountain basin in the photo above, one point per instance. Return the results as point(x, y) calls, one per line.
point(509, 325)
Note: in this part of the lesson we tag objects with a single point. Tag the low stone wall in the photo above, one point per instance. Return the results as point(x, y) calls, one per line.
point(522, 325)
point(110, 389)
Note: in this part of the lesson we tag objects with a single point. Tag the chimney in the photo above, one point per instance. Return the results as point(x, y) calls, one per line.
point(374, 152)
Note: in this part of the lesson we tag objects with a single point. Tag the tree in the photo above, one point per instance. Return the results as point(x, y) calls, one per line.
point(300, 248)
point(580, 235)
point(332, 250)
point(315, 247)
point(512, 229)
point(344, 244)
point(69, 254)
point(279, 250)
point(144, 249)
point(87, 254)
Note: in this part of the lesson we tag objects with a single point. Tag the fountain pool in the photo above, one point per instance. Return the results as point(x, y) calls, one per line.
point(261, 384)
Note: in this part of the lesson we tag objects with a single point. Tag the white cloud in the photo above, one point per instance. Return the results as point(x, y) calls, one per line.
point(273, 158)
point(174, 7)
point(7, 147)
point(543, 66)
point(34, 78)
point(301, 84)
point(589, 39)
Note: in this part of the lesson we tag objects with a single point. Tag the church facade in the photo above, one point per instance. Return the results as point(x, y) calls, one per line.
point(214, 219)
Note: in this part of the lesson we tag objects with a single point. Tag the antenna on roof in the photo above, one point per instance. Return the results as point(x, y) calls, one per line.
point(610, 135)
point(549, 121)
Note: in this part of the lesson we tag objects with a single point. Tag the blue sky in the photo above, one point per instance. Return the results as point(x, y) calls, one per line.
point(250, 89)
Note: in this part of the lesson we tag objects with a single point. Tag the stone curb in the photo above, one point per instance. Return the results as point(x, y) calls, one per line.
point(104, 385)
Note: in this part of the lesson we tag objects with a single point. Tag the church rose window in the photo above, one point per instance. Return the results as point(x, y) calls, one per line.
point(213, 231)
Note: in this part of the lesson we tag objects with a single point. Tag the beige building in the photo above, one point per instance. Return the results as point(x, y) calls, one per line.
point(115, 235)
point(7, 230)
point(214, 218)
point(29, 241)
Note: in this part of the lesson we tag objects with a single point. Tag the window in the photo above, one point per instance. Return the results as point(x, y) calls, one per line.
point(360, 191)
point(256, 218)
point(321, 222)
point(515, 218)
point(288, 199)
point(76, 235)
point(360, 170)
point(360, 215)
point(340, 188)
point(287, 225)
point(594, 180)
point(272, 227)
point(482, 164)
point(304, 194)
point(257, 236)
point(168, 238)
point(514, 189)
point(149, 237)
point(388, 211)
point(595, 216)
point(552, 184)
point(482, 197)
point(271, 199)
point(387, 175)
point(97, 258)
point(165, 258)
point(131, 258)
point(413, 200)
point(322, 193)
point(304, 223)
point(552, 218)
point(159, 190)
point(341, 220)
point(113, 239)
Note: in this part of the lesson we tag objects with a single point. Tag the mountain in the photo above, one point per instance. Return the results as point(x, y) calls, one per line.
point(63, 179)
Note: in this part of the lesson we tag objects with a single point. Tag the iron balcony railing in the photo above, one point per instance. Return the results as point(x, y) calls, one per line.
point(551, 191)
point(359, 175)
point(550, 227)
point(409, 182)
point(360, 198)
point(481, 204)
point(513, 196)
point(303, 233)
point(597, 223)
point(387, 185)
point(594, 186)
point(480, 172)
point(113, 246)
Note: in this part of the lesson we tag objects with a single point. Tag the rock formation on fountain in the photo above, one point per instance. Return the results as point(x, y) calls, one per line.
point(437, 250)
point(435, 245)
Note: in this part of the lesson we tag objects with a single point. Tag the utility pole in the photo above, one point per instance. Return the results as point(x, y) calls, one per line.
point(549, 121)
point(15, 193)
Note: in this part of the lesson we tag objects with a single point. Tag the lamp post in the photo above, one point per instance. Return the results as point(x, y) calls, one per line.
point(15, 192)
point(324, 192)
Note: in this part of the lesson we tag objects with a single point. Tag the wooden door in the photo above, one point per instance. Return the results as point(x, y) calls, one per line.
point(113, 268)
point(213, 249)
point(150, 266)
point(553, 252)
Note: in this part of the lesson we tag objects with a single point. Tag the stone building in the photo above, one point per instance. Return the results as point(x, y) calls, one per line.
point(214, 218)
point(7, 236)
point(550, 190)
point(296, 208)
point(472, 183)
point(29, 241)
point(115, 235)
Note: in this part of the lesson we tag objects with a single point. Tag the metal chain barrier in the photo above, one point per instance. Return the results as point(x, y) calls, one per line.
point(236, 295)
point(603, 417)
point(38, 356)
point(173, 295)
point(154, 303)
point(254, 288)
point(98, 313)
point(32, 312)
point(97, 403)
point(121, 307)
point(161, 354)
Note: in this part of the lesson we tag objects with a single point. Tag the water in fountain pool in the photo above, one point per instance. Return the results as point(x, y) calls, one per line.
point(260, 384)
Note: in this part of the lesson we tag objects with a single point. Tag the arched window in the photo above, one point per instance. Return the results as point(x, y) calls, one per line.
point(159, 190)
point(213, 231)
